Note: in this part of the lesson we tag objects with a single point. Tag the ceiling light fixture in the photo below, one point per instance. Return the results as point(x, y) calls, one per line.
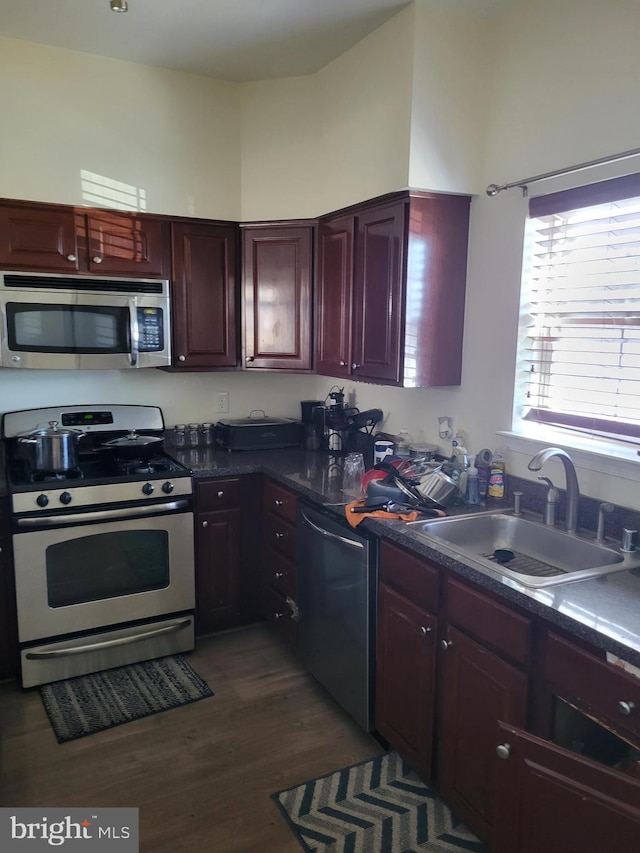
point(119, 5)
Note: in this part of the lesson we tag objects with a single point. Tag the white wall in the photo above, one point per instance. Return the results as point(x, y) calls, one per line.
point(314, 144)
point(175, 136)
point(452, 64)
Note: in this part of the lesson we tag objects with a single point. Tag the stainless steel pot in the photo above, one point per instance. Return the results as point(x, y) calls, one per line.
point(54, 449)
point(438, 486)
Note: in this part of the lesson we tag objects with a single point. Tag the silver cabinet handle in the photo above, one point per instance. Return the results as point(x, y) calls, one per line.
point(279, 575)
point(250, 358)
point(355, 366)
point(445, 644)
point(205, 523)
point(278, 502)
point(279, 535)
point(343, 363)
point(626, 708)
point(425, 630)
point(182, 358)
point(221, 494)
point(278, 615)
point(503, 750)
point(97, 260)
point(72, 258)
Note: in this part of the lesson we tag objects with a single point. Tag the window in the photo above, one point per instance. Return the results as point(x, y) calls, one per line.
point(579, 343)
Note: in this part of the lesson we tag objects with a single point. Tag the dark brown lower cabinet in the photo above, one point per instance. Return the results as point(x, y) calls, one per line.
point(218, 602)
point(551, 801)
point(477, 689)
point(227, 539)
point(406, 657)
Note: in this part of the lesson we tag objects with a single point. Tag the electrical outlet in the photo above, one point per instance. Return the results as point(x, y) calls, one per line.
point(222, 402)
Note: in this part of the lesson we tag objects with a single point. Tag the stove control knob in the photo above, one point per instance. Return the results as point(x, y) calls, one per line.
point(42, 500)
point(147, 489)
point(65, 498)
point(167, 488)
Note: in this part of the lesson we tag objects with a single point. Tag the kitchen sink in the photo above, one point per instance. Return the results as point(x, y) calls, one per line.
point(531, 553)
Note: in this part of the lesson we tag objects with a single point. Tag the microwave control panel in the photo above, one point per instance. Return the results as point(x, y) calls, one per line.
point(150, 330)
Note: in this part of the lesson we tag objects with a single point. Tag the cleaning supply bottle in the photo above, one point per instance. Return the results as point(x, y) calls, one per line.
point(473, 490)
point(495, 490)
point(483, 464)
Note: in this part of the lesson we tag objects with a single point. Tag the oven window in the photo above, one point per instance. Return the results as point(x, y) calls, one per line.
point(107, 565)
point(67, 328)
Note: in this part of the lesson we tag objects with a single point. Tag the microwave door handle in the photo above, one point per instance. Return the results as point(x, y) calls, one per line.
point(134, 333)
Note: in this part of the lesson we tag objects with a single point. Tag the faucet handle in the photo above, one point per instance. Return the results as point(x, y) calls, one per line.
point(627, 540)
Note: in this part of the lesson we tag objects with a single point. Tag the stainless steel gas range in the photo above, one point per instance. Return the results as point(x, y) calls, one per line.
point(103, 551)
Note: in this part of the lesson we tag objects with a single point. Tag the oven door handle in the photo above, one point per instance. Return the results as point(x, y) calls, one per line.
point(102, 515)
point(107, 644)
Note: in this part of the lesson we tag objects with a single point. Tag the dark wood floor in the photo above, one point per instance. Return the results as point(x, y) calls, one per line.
point(201, 775)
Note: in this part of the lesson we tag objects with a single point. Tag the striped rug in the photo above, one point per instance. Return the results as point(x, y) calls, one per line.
point(91, 703)
point(378, 806)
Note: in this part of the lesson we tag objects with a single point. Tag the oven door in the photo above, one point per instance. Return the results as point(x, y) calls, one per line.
point(75, 577)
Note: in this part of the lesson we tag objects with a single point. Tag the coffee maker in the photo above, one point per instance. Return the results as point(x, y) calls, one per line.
point(341, 429)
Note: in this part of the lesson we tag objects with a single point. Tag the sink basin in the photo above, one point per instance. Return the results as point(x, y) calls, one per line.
point(527, 551)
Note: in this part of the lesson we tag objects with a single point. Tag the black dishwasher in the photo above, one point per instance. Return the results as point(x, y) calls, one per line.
point(337, 570)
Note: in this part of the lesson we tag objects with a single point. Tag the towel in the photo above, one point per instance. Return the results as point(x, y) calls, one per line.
point(354, 518)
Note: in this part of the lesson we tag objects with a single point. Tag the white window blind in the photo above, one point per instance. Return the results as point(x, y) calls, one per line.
point(579, 354)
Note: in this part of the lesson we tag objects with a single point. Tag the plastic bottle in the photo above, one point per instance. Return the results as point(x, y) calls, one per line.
point(473, 490)
point(495, 490)
point(403, 445)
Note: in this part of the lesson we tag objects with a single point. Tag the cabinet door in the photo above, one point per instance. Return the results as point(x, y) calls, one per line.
point(9, 657)
point(121, 244)
point(204, 295)
point(38, 238)
point(218, 587)
point(378, 294)
point(554, 801)
point(277, 297)
point(405, 678)
point(333, 297)
point(477, 690)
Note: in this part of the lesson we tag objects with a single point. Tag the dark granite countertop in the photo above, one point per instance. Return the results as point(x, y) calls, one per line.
point(604, 612)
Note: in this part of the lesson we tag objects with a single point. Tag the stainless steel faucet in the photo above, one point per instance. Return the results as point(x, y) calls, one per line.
point(573, 490)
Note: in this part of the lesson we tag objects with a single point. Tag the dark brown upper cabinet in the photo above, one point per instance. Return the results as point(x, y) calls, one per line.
point(204, 295)
point(391, 290)
point(277, 274)
point(58, 238)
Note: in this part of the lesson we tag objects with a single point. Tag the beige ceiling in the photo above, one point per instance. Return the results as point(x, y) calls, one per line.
point(227, 39)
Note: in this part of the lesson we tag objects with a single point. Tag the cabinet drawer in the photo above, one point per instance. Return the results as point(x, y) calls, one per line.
point(280, 535)
point(216, 494)
point(492, 623)
point(412, 576)
point(279, 612)
point(280, 573)
point(280, 500)
point(606, 690)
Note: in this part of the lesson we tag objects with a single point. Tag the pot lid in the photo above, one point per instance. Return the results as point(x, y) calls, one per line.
point(53, 431)
point(132, 439)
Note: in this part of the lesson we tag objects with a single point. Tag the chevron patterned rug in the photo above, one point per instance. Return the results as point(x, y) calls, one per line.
point(378, 806)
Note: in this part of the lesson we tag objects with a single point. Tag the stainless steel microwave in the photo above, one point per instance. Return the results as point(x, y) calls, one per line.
point(66, 322)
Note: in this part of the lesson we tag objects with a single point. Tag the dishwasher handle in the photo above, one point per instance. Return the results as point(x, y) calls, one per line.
point(344, 540)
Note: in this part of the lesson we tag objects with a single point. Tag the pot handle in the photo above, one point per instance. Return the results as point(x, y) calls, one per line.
point(24, 440)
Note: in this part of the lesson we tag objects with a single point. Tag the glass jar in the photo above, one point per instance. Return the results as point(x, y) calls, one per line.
point(207, 434)
point(179, 436)
point(193, 435)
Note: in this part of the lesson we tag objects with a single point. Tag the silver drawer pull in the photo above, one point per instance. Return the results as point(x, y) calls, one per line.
point(445, 644)
point(626, 708)
point(503, 750)
point(425, 630)
point(278, 502)
point(220, 494)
